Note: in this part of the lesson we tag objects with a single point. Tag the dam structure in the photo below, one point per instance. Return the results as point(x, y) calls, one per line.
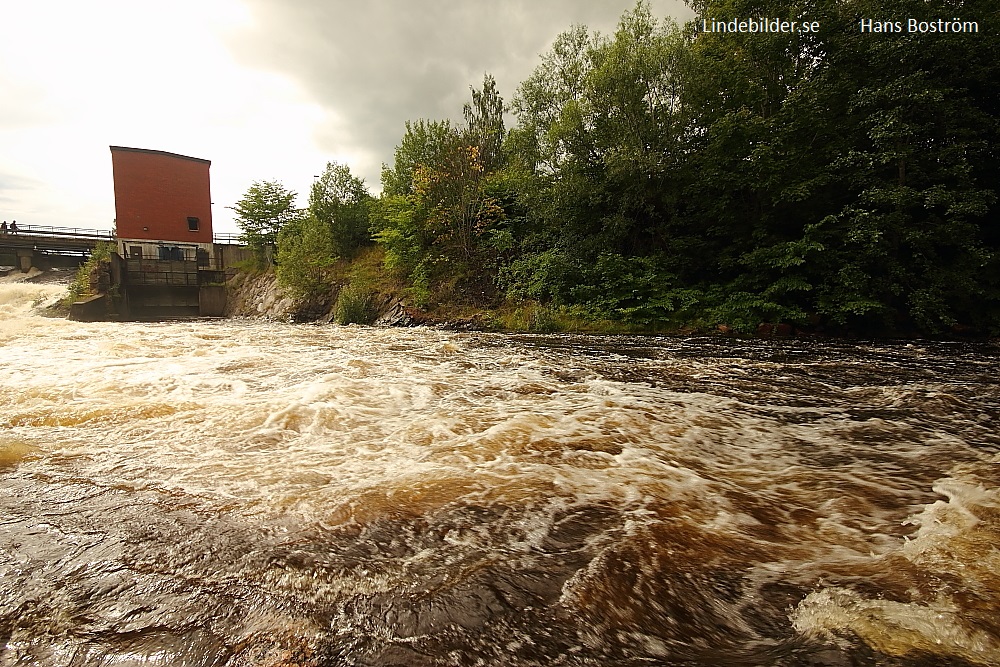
point(167, 263)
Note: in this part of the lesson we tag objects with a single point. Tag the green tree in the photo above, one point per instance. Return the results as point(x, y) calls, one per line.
point(437, 209)
point(421, 144)
point(600, 121)
point(547, 103)
point(397, 219)
point(261, 214)
point(457, 210)
point(842, 173)
point(398, 232)
point(666, 173)
point(760, 141)
point(342, 202)
point(484, 125)
point(306, 251)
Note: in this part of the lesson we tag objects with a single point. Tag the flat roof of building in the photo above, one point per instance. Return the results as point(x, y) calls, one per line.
point(165, 153)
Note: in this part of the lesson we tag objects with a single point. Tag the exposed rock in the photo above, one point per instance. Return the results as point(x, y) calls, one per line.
point(768, 329)
point(259, 296)
point(476, 322)
point(319, 309)
point(394, 314)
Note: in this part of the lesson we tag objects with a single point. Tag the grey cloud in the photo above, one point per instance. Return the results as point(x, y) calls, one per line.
point(13, 186)
point(377, 64)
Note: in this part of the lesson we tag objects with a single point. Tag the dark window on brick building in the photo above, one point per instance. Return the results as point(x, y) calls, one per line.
point(193, 224)
point(171, 253)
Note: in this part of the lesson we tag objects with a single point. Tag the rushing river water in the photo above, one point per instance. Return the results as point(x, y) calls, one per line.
point(252, 493)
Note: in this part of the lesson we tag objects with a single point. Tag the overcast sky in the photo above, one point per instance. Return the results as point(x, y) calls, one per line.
point(265, 89)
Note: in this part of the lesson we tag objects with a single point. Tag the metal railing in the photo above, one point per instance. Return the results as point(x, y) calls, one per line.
point(165, 278)
point(187, 271)
point(75, 232)
point(102, 234)
point(229, 239)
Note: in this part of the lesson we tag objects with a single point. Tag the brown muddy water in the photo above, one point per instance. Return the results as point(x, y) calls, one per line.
point(252, 493)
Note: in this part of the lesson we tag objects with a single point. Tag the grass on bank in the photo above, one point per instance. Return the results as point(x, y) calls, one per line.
point(357, 289)
point(356, 304)
point(82, 285)
point(535, 317)
point(365, 285)
point(450, 301)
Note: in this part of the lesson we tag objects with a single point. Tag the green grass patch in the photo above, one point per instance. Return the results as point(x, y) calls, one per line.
point(356, 304)
point(81, 288)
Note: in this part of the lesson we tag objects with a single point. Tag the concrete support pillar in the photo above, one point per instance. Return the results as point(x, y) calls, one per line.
point(24, 259)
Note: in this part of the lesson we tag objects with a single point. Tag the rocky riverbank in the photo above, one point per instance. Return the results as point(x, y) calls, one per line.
point(258, 295)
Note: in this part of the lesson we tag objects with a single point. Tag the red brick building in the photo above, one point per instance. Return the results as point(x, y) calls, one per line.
point(161, 198)
point(169, 265)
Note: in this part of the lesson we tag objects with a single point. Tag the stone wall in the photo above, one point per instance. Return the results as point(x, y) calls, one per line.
point(257, 295)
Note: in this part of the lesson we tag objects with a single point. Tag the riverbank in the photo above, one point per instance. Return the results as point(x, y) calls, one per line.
point(378, 298)
point(384, 299)
point(381, 297)
point(363, 291)
point(258, 294)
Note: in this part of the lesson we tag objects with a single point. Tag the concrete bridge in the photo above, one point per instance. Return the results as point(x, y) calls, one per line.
point(43, 246)
point(35, 245)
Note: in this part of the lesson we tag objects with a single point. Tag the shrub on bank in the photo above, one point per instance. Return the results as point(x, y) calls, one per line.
point(355, 305)
point(84, 283)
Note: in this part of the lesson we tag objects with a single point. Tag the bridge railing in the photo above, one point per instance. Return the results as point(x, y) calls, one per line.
point(100, 234)
point(233, 239)
point(46, 230)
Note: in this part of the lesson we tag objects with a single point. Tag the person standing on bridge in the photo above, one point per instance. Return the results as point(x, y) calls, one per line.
point(13, 227)
point(3, 227)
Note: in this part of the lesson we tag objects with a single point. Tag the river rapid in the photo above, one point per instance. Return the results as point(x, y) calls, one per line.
point(257, 493)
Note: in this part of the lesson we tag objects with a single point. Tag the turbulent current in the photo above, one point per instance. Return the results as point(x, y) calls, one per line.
point(254, 493)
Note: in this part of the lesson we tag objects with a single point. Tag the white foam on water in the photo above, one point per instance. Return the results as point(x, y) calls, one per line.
point(894, 628)
point(19, 300)
point(342, 428)
point(955, 552)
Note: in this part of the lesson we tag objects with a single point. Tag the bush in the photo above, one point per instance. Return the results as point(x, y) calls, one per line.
point(355, 305)
point(305, 254)
point(80, 287)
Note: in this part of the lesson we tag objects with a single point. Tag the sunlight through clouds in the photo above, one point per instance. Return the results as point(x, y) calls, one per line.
point(88, 75)
point(265, 89)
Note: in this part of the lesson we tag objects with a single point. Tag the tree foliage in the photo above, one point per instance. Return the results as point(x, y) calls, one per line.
point(422, 142)
point(341, 201)
point(661, 174)
point(265, 208)
point(306, 250)
point(833, 176)
point(438, 215)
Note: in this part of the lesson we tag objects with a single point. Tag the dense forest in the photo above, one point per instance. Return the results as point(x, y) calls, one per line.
point(836, 180)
